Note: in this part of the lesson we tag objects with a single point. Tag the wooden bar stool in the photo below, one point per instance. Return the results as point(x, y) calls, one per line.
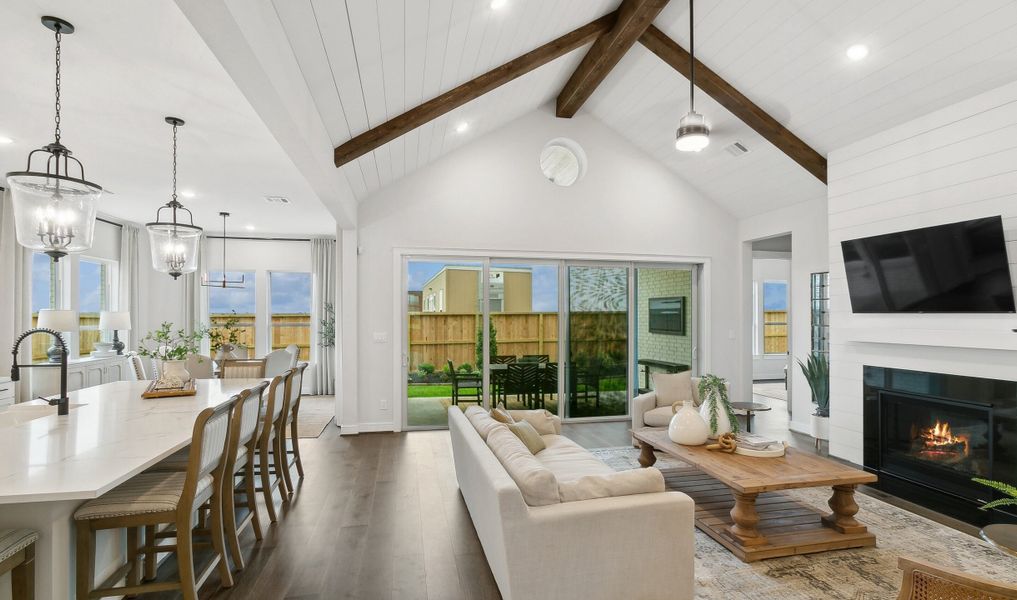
point(294, 394)
point(152, 499)
point(17, 557)
point(242, 368)
point(271, 453)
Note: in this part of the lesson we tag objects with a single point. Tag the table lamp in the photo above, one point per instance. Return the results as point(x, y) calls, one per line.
point(59, 321)
point(115, 321)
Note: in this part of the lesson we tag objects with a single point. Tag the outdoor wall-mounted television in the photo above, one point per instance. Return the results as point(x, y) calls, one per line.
point(955, 268)
point(667, 315)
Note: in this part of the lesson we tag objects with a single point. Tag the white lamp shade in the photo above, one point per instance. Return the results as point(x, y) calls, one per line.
point(58, 320)
point(110, 320)
point(693, 133)
point(53, 214)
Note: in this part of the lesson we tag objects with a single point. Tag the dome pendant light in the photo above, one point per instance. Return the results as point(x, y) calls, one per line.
point(54, 212)
point(174, 244)
point(224, 282)
point(693, 133)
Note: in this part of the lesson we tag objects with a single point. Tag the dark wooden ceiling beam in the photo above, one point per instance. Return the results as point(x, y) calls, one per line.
point(726, 95)
point(634, 16)
point(458, 96)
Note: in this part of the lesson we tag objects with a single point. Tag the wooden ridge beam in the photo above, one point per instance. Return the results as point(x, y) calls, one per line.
point(415, 117)
point(634, 16)
point(726, 95)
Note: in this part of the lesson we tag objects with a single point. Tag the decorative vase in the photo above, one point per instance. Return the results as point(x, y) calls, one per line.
point(723, 422)
point(820, 427)
point(687, 426)
point(173, 373)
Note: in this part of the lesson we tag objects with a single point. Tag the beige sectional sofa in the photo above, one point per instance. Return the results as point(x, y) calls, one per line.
point(562, 524)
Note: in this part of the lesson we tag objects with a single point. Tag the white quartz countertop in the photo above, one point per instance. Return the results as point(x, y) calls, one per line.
point(110, 435)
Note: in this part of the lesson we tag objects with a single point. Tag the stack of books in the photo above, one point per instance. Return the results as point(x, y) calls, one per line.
point(754, 441)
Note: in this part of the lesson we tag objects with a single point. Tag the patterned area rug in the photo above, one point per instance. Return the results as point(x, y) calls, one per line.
point(861, 574)
point(315, 413)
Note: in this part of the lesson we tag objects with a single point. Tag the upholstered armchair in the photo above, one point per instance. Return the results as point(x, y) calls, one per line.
point(653, 409)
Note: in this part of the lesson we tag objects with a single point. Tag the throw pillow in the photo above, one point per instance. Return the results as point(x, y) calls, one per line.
point(621, 483)
point(528, 435)
point(544, 422)
point(501, 415)
point(672, 387)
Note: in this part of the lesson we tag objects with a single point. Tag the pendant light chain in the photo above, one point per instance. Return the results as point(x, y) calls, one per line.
point(56, 119)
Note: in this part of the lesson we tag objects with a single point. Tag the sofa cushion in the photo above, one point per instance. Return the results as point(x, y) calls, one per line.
point(658, 417)
point(529, 436)
point(543, 421)
point(537, 483)
point(501, 415)
point(620, 483)
point(482, 421)
point(568, 460)
point(673, 387)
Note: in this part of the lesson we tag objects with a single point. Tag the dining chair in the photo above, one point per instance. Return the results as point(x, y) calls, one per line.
point(240, 463)
point(242, 368)
point(471, 384)
point(277, 362)
point(294, 350)
point(535, 358)
point(156, 498)
point(925, 581)
point(17, 557)
point(294, 394)
point(138, 367)
point(271, 453)
point(200, 367)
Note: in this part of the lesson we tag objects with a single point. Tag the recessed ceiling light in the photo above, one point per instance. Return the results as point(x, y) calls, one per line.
point(187, 193)
point(462, 127)
point(498, 4)
point(857, 52)
point(6, 140)
point(249, 227)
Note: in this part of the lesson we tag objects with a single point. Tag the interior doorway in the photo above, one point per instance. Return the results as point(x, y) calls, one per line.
point(771, 340)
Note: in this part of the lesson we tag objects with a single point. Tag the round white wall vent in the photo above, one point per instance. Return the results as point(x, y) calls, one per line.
point(563, 161)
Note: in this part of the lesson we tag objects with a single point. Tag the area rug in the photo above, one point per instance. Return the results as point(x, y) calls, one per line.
point(777, 391)
point(859, 574)
point(315, 413)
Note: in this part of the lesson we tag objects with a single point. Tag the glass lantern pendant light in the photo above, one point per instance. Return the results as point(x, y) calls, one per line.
point(54, 210)
point(223, 282)
point(693, 133)
point(174, 243)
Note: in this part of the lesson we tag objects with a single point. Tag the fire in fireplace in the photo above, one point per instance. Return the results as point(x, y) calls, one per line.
point(939, 444)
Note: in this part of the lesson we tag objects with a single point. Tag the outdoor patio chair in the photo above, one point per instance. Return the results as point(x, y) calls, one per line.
point(504, 359)
point(472, 385)
point(522, 380)
point(535, 358)
point(548, 381)
point(585, 385)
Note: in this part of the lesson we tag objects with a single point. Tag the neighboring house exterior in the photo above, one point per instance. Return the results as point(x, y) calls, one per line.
point(456, 289)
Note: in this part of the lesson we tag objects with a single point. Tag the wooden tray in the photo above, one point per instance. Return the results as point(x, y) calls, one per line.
point(189, 389)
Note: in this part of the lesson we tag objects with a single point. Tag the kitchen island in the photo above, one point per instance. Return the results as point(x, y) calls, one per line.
point(52, 464)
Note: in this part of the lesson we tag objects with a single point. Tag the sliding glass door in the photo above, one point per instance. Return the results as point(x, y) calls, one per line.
point(665, 316)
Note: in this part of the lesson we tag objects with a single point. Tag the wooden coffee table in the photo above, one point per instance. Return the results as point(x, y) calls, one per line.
point(738, 501)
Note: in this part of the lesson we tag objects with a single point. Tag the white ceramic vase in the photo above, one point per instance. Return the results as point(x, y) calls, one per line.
point(723, 422)
point(821, 427)
point(688, 427)
point(173, 373)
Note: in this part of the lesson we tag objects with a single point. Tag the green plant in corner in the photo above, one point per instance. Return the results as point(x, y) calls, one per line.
point(479, 346)
point(326, 334)
point(713, 391)
point(166, 344)
point(817, 372)
point(227, 332)
point(999, 486)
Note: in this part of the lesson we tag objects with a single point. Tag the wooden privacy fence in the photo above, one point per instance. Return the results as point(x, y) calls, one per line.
point(775, 332)
point(437, 337)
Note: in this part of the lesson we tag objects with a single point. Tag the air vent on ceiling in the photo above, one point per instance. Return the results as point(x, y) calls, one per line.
point(736, 149)
point(277, 199)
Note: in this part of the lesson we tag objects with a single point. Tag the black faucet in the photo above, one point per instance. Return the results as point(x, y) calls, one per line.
point(62, 403)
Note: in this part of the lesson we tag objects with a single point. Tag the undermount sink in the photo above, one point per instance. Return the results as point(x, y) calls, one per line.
point(17, 414)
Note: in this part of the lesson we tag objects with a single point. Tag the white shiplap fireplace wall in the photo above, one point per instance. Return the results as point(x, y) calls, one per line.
point(955, 164)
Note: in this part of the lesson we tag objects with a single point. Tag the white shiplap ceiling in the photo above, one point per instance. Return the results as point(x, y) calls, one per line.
point(366, 61)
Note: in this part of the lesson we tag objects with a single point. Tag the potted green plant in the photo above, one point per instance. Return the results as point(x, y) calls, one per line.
point(171, 348)
point(817, 372)
point(999, 486)
point(223, 338)
point(716, 407)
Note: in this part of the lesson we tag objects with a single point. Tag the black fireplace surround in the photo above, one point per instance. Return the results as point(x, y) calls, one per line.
point(928, 434)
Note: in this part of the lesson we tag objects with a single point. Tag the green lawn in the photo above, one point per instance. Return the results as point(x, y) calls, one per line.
point(426, 390)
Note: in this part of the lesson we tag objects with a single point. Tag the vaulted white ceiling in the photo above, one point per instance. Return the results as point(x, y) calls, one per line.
point(367, 61)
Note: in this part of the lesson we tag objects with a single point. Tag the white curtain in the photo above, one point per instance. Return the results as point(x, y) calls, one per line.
point(193, 294)
point(323, 270)
point(14, 316)
point(130, 281)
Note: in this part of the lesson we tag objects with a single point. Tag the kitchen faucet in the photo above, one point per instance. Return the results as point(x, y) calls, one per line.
point(62, 403)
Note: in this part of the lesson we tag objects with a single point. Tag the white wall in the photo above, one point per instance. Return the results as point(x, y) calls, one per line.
point(490, 197)
point(951, 165)
point(806, 222)
point(768, 366)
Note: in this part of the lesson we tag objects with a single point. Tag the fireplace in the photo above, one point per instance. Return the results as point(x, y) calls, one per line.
point(928, 434)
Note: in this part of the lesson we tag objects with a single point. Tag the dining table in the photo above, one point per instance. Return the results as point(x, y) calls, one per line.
point(52, 464)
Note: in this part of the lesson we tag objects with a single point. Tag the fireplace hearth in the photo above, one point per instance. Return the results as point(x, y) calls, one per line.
point(928, 434)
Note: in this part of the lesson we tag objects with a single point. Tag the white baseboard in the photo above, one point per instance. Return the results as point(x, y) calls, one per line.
point(365, 428)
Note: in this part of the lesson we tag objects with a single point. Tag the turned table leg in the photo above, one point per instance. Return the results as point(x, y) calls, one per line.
point(646, 455)
point(745, 520)
point(844, 509)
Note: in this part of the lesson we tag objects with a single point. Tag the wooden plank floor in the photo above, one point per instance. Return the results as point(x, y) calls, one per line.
point(378, 516)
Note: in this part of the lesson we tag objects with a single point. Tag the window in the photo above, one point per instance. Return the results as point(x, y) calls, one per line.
point(290, 306)
point(234, 303)
point(775, 304)
point(95, 290)
point(45, 292)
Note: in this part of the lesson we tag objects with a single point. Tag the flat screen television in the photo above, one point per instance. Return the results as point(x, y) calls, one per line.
point(955, 268)
point(667, 315)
